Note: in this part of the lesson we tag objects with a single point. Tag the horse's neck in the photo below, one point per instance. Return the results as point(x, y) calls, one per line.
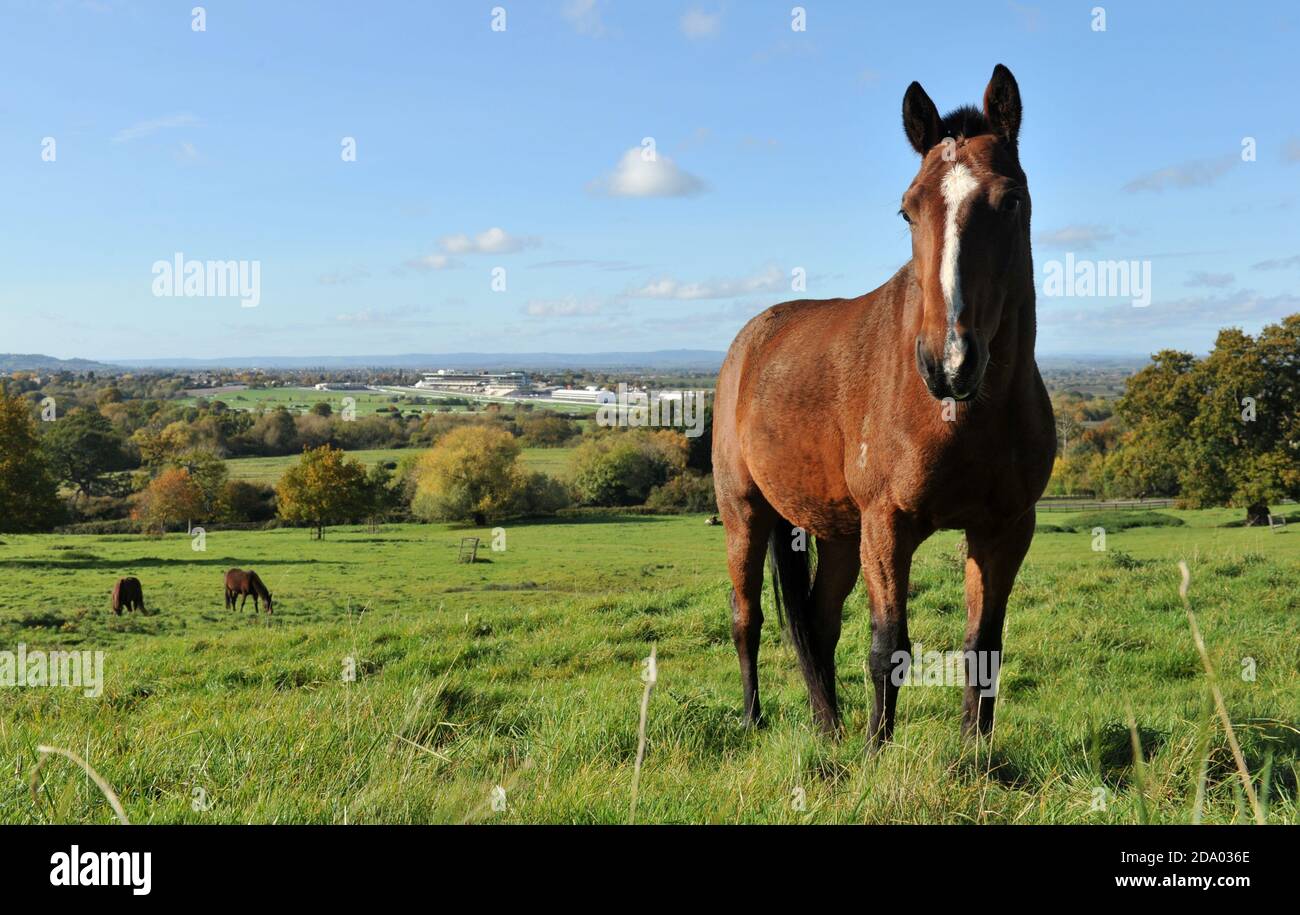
point(1011, 352)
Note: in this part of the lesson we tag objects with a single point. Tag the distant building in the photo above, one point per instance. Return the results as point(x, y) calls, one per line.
point(490, 384)
point(589, 394)
point(342, 386)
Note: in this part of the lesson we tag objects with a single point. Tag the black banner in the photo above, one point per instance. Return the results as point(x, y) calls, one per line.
point(336, 864)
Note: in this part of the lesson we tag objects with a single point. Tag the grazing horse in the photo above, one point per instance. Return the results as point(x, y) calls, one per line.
point(871, 422)
point(239, 582)
point(128, 594)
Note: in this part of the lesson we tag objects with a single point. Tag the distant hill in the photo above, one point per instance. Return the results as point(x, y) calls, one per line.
point(36, 362)
point(668, 359)
point(707, 360)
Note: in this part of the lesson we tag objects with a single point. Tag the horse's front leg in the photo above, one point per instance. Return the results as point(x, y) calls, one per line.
point(993, 558)
point(889, 539)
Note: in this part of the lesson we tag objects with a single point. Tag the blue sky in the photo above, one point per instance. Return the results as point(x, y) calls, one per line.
point(479, 149)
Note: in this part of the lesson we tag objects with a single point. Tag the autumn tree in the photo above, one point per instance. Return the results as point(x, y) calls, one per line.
point(471, 474)
point(324, 487)
point(209, 473)
point(474, 474)
point(171, 498)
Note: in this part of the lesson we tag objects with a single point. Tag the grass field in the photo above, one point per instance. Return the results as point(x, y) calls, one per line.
point(524, 672)
point(300, 400)
point(269, 469)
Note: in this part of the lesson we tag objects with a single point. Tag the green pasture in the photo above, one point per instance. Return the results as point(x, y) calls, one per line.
point(300, 400)
point(524, 671)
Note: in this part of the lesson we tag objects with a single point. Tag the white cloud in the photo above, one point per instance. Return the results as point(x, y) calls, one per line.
point(1078, 237)
point(434, 262)
point(1277, 263)
point(144, 128)
point(492, 241)
point(1207, 311)
point(697, 24)
point(1189, 174)
point(584, 16)
point(637, 176)
point(561, 308)
point(770, 280)
point(405, 314)
point(1212, 280)
point(343, 277)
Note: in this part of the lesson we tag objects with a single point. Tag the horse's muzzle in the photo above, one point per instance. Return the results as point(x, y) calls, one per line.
point(959, 373)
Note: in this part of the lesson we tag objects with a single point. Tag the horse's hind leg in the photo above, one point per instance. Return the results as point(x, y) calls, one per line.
point(993, 559)
point(748, 526)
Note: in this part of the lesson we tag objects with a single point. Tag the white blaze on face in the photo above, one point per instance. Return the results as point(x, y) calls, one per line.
point(957, 185)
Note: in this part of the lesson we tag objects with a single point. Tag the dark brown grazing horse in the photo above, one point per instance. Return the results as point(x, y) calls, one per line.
point(239, 582)
point(127, 594)
point(871, 422)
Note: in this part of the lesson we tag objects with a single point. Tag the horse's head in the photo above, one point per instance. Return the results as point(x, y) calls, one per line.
point(968, 208)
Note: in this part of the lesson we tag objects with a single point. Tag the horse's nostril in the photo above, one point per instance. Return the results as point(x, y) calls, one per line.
point(926, 364)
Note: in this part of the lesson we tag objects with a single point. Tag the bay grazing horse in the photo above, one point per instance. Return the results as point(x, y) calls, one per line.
point(239, 582)
point(128, 595)
point(869, 423)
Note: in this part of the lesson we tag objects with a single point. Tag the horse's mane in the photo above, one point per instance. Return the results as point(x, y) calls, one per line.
point(257, 583)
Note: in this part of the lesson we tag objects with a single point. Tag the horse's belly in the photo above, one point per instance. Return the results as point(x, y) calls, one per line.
point(809, 495)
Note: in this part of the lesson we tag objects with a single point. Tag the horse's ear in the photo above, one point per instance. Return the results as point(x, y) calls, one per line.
point(1002, 105)
point(920, 119)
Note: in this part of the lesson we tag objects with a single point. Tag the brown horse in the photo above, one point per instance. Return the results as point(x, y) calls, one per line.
point(239, 582)
point(872, 422)
point(128, 594)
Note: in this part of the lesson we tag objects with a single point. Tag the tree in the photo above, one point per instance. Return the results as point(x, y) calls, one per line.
point(83, 448)
point(29, 499)
point(274, 432)
point(621, 468)
point(209, 473)
point(471, 474)
point(324, 487)
point(548, 429)
point(1221, 430)
point(244, 501)
point(171, 498)
point(381, 497)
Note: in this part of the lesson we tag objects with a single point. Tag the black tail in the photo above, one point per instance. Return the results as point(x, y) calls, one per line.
point(792, 577)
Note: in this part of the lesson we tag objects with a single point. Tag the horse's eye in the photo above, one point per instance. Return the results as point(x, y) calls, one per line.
point(907, 219)
point(1010, 203)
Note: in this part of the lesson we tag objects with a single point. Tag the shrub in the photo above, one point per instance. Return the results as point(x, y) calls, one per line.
point(473, 473)
point(242, 501)
point(689, 492)
point(1123, 520)
point(622, 468)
